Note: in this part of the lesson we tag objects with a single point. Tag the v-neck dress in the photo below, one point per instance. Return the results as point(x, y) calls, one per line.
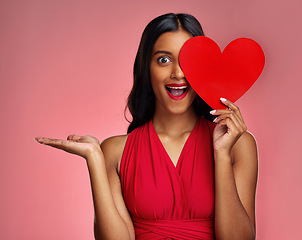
point(167, 201)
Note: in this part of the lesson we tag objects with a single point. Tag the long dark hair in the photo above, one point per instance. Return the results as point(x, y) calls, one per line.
point(141, 101)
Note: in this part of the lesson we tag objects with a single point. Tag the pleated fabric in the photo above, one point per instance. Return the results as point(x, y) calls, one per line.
point(167, 201)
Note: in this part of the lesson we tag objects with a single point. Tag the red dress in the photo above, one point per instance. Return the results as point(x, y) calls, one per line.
point(164, 201)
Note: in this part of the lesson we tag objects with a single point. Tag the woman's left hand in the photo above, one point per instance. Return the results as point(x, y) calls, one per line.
point(230, 126)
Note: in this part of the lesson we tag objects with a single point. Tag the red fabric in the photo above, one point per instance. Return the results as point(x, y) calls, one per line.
point(168, 202)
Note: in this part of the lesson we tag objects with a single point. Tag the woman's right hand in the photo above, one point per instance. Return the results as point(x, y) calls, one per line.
point(84, 146)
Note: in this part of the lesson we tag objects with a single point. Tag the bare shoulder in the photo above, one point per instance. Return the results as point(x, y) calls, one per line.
point(113, 148)
point(245, 149)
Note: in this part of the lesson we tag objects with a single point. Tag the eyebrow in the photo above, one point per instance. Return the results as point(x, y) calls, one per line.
point(163, 52)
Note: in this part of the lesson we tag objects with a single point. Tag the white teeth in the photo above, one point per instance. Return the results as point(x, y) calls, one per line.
point(184, 87)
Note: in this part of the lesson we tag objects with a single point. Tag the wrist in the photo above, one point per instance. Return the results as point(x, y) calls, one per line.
point(222, 155)
point(94, 155)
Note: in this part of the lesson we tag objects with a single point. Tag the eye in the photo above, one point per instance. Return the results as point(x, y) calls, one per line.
point(163, 60)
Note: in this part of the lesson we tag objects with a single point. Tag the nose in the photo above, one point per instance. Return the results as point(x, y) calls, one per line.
point(177, 73)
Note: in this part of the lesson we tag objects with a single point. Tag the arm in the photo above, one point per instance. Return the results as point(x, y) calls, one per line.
point(236, 167)
point(121, 223)
point(111, 222)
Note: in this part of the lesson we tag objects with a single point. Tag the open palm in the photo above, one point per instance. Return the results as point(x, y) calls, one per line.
point(75, 144)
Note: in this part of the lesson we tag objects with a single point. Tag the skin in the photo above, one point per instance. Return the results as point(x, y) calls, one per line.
point(235, 154)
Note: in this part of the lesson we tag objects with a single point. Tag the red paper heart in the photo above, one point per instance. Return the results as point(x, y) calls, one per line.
point(213, 74)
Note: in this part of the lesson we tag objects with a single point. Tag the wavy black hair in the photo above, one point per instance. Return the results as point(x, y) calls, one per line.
point(141, 100)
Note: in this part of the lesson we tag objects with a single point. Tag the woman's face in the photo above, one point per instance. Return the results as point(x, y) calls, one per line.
point(171, 89)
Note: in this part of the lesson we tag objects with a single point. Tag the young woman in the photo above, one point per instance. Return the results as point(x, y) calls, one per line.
point(176, 174)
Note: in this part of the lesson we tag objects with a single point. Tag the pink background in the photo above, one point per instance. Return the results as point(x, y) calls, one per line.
point(66, 67)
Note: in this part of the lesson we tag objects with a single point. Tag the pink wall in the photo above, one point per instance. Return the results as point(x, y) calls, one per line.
point(65, 67)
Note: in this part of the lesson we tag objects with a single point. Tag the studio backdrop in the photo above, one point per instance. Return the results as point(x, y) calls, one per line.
point(66, 67)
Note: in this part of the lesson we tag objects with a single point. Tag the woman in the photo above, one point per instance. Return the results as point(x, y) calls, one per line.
point(164, 179)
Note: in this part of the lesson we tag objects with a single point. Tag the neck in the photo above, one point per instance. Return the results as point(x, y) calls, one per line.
point(174, 124)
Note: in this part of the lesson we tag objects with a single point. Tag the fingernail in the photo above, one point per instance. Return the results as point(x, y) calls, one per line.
point(222, 99)
point(215, 119)
point(212, 112)
point(38, 139)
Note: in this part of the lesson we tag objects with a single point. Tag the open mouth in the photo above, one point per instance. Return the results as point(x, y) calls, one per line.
point(177, 91)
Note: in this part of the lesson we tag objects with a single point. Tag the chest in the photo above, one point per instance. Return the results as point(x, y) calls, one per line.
point(156, 187)
point(163, 179)
point(173, 146)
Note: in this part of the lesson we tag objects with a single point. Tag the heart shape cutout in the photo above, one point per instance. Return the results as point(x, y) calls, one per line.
point(214, 74)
